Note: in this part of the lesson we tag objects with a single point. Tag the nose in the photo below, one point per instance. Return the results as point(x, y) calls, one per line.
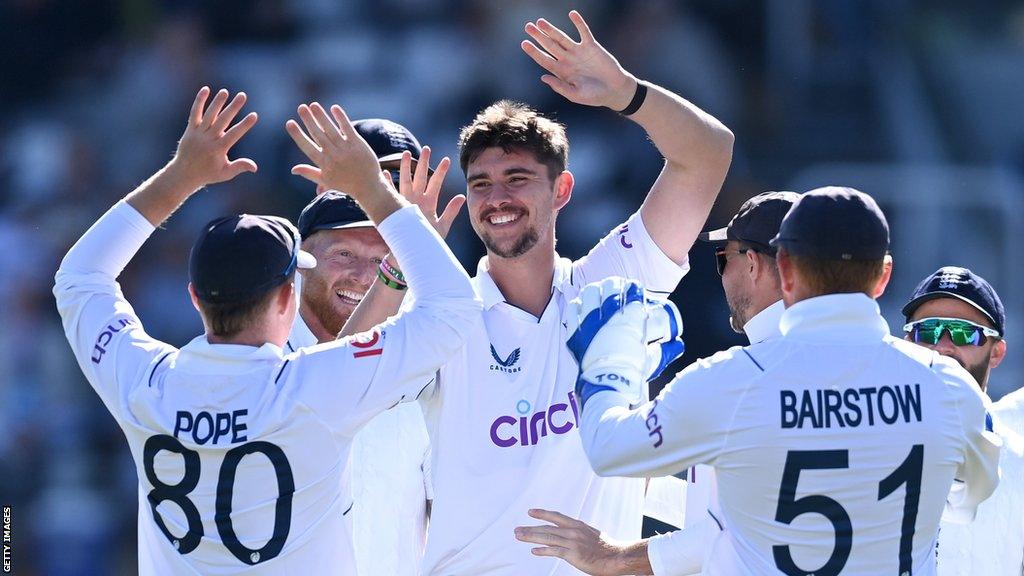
point(363, 272)
point(946, 347)
point(498, 196)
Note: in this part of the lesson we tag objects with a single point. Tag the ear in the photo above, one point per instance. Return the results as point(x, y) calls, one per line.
point(787, 276)
point(754, 266)
point(194, 297)
point(997, 355)
point(883, 282)
point(283, 300)
point(563, 189)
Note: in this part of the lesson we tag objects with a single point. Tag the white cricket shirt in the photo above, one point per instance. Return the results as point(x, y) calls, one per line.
point(390, 459)
point(993, 544)
point(503, 423)
point(681, 552)
point(241, 451)
point(834, 446)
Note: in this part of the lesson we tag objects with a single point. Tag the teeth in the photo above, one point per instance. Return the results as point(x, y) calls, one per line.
point(503, 218)
point(350, 295)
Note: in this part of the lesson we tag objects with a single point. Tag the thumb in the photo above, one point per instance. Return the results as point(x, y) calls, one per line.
point(236, 167)
point(451, 212)
point(558, 85)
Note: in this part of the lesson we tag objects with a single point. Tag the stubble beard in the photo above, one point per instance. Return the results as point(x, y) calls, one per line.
point(322, 308)
point(521, 246)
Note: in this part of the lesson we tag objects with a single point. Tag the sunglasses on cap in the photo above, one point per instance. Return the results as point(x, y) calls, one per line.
point(961, 332)
point(722, 258)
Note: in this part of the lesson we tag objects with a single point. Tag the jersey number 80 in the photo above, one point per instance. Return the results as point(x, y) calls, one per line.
point(178, 493)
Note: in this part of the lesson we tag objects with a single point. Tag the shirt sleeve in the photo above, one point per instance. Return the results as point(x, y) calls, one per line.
point(352, 380)
point(687, 424)
point(629, 251)
point(681, 552)
point(978, 474)
point(106, 336)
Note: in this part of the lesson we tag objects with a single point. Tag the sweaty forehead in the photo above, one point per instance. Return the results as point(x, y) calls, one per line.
point(950, 308)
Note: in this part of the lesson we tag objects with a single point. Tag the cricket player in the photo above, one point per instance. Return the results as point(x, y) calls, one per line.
point(958, 314)
point(240, 448)
point(835, 446)
point(750, 279)
point(390, 481)
point(503, 417)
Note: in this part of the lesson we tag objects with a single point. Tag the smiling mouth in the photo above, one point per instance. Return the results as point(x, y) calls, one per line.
point(349, 296)
point(503, 218)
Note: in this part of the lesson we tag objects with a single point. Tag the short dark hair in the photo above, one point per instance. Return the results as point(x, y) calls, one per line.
point(838, 276)
point(227, 319)
point(513, 126)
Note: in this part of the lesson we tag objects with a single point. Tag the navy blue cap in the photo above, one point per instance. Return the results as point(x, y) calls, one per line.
point(835, 223)
point(332, 210)
point(962, 284)
point(388, 140)
point(238, 257)
point(757, 221)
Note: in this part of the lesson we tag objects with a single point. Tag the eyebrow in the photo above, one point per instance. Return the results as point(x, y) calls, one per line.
point(507, 172)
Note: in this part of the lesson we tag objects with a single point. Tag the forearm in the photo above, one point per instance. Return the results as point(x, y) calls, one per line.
point(428, 264)
point(163, 193)
point(689, 138)
point(108, 245)
point(379, 303)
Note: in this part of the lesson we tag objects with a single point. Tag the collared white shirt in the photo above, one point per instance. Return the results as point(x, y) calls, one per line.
point(682, 552)
point(993, 544)
point(390, 485)
point(503, 423)
point(242, 452)
point(836, 409)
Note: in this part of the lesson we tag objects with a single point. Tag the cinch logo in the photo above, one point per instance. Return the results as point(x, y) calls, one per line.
point(622, 236)
point(100, 348)
point(529, 427)
point(653, 428)
point(507, 365)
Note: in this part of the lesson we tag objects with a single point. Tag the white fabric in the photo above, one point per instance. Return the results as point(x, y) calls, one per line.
point(503, 424)
point(993, 544)
point(389, 490)
point(682, 552)
point(747, 411)
point(300, 409)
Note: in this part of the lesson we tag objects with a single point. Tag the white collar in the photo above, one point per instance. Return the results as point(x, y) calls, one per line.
point(765, 324)
point(300, 336)
point(837, 318)
point(491, 294)
point(224, 358)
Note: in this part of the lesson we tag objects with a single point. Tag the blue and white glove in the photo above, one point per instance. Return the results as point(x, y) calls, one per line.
point(621, 339)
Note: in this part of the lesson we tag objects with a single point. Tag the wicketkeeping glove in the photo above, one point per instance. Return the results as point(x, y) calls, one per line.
point(620, 338)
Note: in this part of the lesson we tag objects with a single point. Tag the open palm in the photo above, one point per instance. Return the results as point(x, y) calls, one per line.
point(583, 72)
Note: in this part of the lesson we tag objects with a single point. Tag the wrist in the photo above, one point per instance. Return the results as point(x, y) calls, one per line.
point(177, 174)
point(623, 93)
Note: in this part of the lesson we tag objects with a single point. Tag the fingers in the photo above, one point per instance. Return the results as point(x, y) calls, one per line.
point(195, 116)
point(437, 179)
point(419, 179)
point(229, 113)
point(313, 128)
point(236, 167)
point(311, 173)
point(560, 86)
point(344, 124)
point(308, 147)
point(543, 59)
point(549, 44)
point(556, 518)
point(214, 109)
point(546, 535)
point(451, 212)
point(556, 34)
point(405, 187)
point(235, 133)
point(581, 26)
point(556, 551)
point(330, 130)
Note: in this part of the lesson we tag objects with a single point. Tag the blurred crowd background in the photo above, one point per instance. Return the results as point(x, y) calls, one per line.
point(916, 103)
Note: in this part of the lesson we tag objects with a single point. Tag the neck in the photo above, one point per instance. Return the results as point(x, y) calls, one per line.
point(247, 338)
point(315, 326)
point(525, 281)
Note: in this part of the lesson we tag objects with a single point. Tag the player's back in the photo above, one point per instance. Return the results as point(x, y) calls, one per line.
point(241, 468)
point(840, 454)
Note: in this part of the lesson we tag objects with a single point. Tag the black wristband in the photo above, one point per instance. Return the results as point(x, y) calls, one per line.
point(638, 99)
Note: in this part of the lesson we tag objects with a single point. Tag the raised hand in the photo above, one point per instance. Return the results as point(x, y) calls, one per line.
point(341, 159)
point(202, 155)
point(423, 191)
point(583, 72)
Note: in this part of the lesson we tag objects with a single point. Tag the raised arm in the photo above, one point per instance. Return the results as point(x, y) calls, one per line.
point(422, 189)
point(105, 334)
point(696, 146)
